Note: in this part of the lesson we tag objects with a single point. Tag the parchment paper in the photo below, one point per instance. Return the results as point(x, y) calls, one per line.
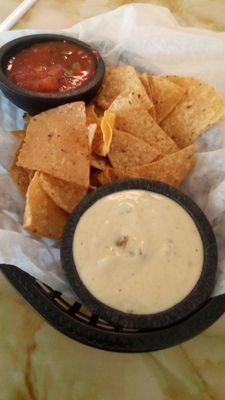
point(149, 38)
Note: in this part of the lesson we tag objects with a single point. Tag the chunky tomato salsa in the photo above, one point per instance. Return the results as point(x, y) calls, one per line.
point(51, 67)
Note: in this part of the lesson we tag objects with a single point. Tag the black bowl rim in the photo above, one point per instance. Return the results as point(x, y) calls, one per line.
point(195, 299)
point(28, 40)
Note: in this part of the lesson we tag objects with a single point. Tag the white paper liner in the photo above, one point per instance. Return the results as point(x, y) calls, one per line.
point(151, 39)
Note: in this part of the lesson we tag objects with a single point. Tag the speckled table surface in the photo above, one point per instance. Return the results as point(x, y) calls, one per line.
point(64, 13)
point(38, 363)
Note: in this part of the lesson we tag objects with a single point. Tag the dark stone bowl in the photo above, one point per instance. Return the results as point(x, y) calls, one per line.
point(35, 102)
point(193, 301)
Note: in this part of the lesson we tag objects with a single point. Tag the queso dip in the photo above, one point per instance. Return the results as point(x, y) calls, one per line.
point(137, 251)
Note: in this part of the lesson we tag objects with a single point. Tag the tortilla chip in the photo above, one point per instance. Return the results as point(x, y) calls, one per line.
point(91, 129)
point(94, 182)
point(99, 162)
point(165, 95)
point(118, 79)
point(112, 175)
point(56, 143)
point(103, 134)
point(126, 100)
point(107, 126)
point(65, 195)
point(91, 115)
point(20, 175)
point(132, 117)
point(42, 216)
point(19, 134)
point(30, 174)
point(172, 169)
point(91, 188)
point(145, 82)
point(200, 108)
point(26, 119)
point(128, 151)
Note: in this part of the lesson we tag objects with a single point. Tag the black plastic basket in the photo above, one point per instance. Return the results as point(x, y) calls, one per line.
point(73, 320)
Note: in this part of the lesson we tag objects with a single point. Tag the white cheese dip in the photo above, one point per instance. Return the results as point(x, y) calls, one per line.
point(138, 251)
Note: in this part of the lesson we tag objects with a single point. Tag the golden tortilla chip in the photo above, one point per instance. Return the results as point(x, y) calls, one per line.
point(20, 175)
point(99, 111)
point(42, 216)
point(103, 134)
point(56, 143)
point(99, 162)
point(94, 182)
point(172, 169)
point(200, 108)
point(107, 126)
point(91, 116)
point(26, 118)
point(19, 134)
point(165, 95)
point(132, 117)
point(30, 174)
point(112, 175)
point(145, 82)
point(126, 100)
point(65, 195)
point(128, 151)
point(91, 188)
point(118, 79)
point(91, 129)
point(97, 143)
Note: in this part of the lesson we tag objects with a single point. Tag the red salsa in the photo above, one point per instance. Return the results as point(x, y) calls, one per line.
point(52, 67)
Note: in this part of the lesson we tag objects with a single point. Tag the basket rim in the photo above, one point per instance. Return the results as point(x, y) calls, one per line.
point(103, 339)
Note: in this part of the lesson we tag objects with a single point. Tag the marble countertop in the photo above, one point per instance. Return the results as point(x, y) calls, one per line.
point(37, 362)
point(64, 13)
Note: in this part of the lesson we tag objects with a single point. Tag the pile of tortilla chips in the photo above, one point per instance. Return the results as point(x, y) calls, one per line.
point(139, 126)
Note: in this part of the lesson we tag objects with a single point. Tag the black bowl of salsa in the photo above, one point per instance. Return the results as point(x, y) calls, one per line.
point(38, 72)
